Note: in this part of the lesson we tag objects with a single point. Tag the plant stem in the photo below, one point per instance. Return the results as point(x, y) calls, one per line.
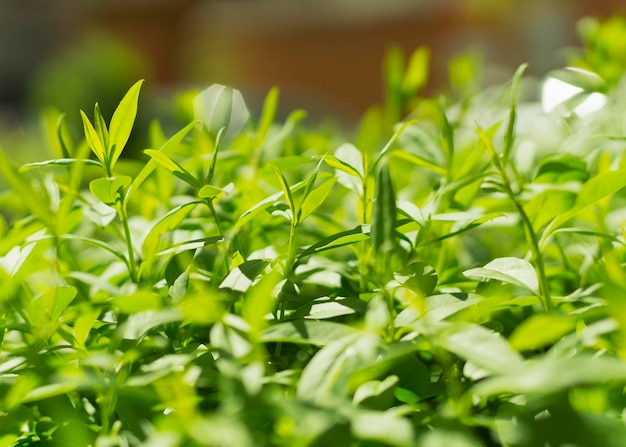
point(225, 248)
point(531, 237)
point(132, 268)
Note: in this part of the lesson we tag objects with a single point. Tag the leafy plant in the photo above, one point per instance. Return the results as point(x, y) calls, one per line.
point(454, 275)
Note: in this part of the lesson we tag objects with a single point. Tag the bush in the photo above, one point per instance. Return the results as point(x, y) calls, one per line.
point(456, 278)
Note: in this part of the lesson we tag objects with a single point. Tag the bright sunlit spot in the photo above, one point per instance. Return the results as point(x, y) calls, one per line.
point(556, 92)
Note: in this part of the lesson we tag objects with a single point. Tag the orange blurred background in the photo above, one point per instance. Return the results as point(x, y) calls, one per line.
point(325, 55)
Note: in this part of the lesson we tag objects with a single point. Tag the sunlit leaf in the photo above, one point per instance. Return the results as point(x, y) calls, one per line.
point(109, 189)
point(122, 123)
point(164, 225)
point(174, 167)
point(93, 139)
point(270, 105)
point(59, 162)
point(541, 330)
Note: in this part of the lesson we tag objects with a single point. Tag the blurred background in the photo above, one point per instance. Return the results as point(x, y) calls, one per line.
point(325, 55)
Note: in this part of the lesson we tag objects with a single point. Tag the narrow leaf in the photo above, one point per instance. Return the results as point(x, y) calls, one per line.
point(100, 125)
point(287, 192)
point(122, 122)
point(384, 215)
point(173, 167)
point(416, 73)
point(596, 189)
point(267, 115)
point(169, 145)
point(93, 140)
point(509, 135)
point(59, 162)
point(316, 197)
point(165, 224)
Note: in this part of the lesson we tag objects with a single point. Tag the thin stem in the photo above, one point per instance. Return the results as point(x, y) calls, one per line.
point(225, 249)
point(132, 268)
point(531, 237)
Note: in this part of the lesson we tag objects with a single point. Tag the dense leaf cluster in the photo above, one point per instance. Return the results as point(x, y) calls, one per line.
point(453, 276)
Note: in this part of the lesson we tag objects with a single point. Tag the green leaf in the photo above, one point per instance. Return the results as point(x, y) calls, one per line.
point(324, 307)
point(540, 331)
point(140, 301)
point(59, 162)
point(548, 205)
point(357, 234)
point(164, 225)
point(348, 159)
point(287, 192)
point(596, 189)
point(241, 278)
point(384, 215)
point(509, 135)
point(383, 427)
point(50, 390)
point(416, 73)
point(86, 240)
point(447, 133)
point(326, 378)
point(109, 189)
point(100, 125)
point(314, 332)
point(259, 303)
point(550, 374)
point(510, 270)
point(64, 137)
point(267, 115)
point(94, 140)
point(447, 438)
point(168, 146)
point(122, 123)
point(562, 169)
point(393, 72)
point(419, 161)
point(173, 167)
point(139, 324)
point(399, 130)
point(190, 245)
point(216, 148)
point(316, 197)
point(22, 187)
point(209, 191)
point(437, 308)
point(480, 346)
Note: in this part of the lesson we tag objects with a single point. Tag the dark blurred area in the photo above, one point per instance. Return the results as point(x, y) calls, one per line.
point(325, 55)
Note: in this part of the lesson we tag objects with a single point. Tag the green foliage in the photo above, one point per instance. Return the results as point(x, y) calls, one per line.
point(452, 279)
